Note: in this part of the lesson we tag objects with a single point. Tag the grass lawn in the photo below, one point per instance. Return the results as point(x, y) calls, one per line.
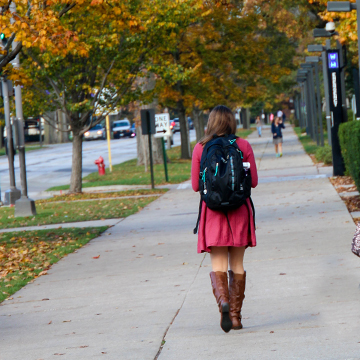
point(27, 148)
point(56, 213)
point(244, 133)
point(128, 173)
point(98, 195)
point(26, 255)
point(310, 146)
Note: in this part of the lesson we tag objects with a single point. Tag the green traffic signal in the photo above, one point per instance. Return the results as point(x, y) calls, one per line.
point(2, 36)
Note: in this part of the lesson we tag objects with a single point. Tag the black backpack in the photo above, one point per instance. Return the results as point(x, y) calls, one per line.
point(224, 183)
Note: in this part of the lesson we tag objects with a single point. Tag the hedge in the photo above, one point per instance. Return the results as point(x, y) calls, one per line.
point(349, 135)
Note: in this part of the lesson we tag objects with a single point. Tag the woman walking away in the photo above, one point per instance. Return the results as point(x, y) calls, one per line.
point(225, 233)
point(258, 125)
point(276, 127)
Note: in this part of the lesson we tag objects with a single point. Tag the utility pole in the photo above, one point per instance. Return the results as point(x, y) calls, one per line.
point(24, 206)
point(13, 193)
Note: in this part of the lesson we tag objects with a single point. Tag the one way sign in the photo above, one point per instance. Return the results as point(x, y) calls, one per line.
point(162, 125)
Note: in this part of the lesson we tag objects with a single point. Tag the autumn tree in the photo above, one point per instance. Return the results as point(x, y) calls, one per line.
point(115, 42)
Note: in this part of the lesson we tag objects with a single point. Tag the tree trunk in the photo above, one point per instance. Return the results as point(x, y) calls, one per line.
point(76, 170)
point(245, 115)
point(143, 140)
point(198, 121)
point(184, 134)
point(143, 149)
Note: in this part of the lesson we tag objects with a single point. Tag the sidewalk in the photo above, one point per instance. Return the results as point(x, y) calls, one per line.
point(149, 284)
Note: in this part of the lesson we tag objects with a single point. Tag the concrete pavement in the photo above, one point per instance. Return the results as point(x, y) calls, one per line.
point(150, 288)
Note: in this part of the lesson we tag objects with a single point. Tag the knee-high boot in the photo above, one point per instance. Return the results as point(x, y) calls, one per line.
point(236, 296)
point(219, 282)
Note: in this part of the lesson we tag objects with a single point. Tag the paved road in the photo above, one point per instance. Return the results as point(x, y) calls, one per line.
point(52, 166)
point(150, 287)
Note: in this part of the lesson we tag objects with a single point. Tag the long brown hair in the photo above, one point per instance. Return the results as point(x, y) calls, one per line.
point(221, 122)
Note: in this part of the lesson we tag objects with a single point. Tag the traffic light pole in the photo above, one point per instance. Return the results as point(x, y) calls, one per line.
point(13, 193)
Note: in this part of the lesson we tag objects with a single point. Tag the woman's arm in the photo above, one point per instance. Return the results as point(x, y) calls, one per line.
point(195, 166)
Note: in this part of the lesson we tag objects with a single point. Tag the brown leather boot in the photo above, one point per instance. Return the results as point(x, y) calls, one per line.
point(237, 296)
point(220, 287)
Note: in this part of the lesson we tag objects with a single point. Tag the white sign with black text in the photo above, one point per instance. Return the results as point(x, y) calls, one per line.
point(162, 125)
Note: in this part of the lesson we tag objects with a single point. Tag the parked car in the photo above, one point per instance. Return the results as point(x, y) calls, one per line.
point(121, 128)
point(191, 124)
point(175, 124)
point(133, 130)
point(97, 132)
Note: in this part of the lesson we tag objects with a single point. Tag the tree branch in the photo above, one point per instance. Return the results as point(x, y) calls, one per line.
point(66, 8)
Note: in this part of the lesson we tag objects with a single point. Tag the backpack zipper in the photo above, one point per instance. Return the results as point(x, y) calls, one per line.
point(217, 168)
point(204, 180)
point(232, 174)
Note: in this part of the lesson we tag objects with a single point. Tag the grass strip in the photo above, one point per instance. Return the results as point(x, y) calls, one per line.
point(316, 152)
point(55, 213)
point(100, 195)
point(129, 173)
point(24, 256)
point(244, 133)
point(27, 148)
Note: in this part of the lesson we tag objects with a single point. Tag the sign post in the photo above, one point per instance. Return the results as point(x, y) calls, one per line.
point(162, 129)
point(148, 128)
point(108, 140)
point(336, 109)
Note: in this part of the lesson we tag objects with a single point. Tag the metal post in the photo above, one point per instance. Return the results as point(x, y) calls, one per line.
point(309, 128)
point(108, 141)
point(326, 90)
point(13, 193)
point(313, 107)
point(150, 151)
point(307, 107)
point(165, 159)
point(319, 104)
point(40, 138)
point(302, 106)
point(24, 206)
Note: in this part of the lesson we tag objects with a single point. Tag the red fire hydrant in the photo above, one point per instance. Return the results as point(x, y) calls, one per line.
point(101, 166)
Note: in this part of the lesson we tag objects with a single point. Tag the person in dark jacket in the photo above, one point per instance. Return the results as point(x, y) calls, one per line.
point(276, 127)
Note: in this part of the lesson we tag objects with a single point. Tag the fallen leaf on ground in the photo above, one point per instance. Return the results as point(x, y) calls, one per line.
point(96, 257)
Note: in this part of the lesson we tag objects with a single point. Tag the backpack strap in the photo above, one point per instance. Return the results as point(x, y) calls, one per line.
point(253, 210)
point(198, 219)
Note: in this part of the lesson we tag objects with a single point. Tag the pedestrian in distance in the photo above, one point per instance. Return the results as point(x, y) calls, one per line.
point(258, 125)
point(276, 127)
point(226, 232)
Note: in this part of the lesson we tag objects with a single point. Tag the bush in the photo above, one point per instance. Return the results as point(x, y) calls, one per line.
point(349, 135)
point(324, 155)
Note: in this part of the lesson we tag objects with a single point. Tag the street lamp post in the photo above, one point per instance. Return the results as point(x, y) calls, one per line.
point(347, 6)
point(307, 109)
point(325, 33)
point(13, 193)
point(322, 49)
point(313, 123)
point(315, 60)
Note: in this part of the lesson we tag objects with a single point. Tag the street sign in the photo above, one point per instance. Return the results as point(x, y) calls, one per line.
point(147, 121)
point(162, 125)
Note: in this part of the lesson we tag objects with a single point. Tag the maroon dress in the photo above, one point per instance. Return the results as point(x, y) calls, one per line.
point(214, 229)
